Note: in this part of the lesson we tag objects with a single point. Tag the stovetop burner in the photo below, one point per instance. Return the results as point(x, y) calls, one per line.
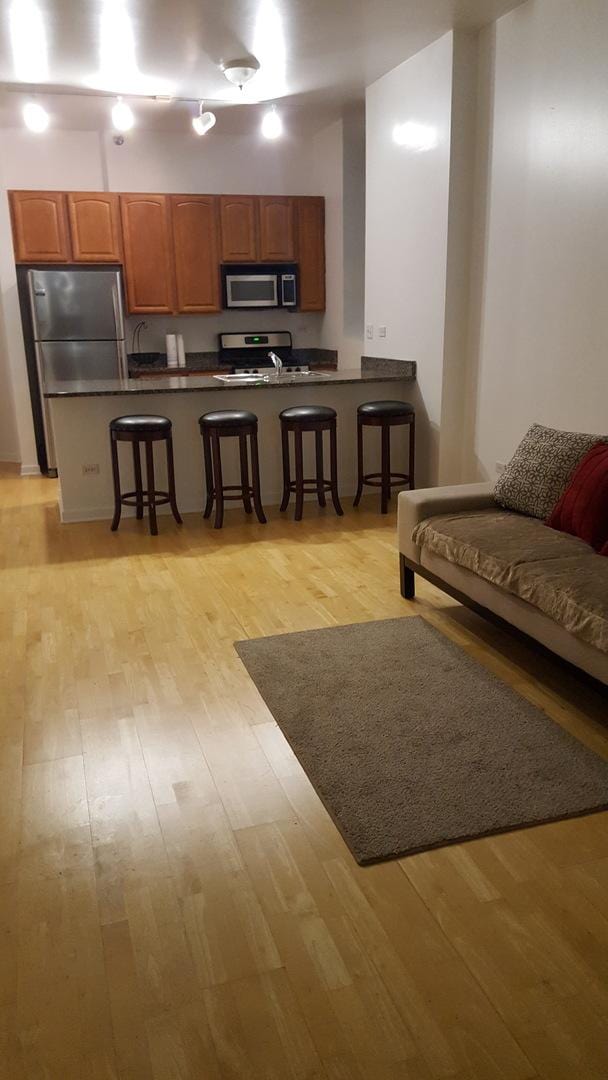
point(247, 354)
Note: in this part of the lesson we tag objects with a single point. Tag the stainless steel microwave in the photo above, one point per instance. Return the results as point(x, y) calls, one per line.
point(260, 287)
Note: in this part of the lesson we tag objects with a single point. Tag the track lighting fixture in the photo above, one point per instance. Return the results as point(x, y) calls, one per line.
point(204, 121)
point(272, 125)
point(35, 117)
point(122, 116)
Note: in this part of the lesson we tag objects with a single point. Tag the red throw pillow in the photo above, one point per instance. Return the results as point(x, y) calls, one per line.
point(583, 508)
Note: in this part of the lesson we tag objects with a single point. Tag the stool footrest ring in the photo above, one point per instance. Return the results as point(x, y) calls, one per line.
point(375, 479)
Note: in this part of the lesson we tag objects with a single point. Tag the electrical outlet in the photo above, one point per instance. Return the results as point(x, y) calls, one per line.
point(369, 332)
point(382, 331)
point(90, 470)
point(500, 467)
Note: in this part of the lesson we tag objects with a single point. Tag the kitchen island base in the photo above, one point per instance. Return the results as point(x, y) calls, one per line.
point(81, 425)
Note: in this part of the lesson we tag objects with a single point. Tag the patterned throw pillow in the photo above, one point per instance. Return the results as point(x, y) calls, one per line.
point(538, 473)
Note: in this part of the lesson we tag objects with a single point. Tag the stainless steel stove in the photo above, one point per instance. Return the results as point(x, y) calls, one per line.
point(247, 354)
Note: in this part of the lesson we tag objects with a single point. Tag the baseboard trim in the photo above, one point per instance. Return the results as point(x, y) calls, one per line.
point(9, 458)
point(30, 470)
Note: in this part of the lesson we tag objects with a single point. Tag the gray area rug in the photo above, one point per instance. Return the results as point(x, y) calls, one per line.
point(411, 744)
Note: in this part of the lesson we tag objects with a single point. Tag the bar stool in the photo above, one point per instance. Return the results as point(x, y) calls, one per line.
point(385, 415)
point(218, 425)
point(147, 430)
point(317, 418)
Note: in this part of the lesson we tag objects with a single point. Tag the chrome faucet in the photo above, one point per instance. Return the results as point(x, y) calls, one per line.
point(278, 363)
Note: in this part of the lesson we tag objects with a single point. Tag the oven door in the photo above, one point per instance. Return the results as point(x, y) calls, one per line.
point(252, 290)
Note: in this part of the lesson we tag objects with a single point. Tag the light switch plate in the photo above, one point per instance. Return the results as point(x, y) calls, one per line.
point(369, 331)
point(382, 331)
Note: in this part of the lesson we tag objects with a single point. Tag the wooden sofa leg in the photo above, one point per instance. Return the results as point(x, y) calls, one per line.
point(408, 580)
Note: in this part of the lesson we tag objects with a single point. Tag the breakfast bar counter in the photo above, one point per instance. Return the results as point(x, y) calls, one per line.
point(81, 413)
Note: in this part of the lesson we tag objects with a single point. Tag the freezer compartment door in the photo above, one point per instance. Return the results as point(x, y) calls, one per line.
point(76, 305)
point(61, 360)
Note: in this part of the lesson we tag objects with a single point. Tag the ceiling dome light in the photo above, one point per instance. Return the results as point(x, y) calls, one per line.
point(204, 121)
point(122, 116)
point(239, 72)
point(272, 125)
point(35, 117)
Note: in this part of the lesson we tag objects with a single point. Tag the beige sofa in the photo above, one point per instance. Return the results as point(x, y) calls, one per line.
point(549, 585)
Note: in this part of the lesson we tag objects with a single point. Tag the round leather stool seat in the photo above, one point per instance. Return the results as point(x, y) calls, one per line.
point(144, 424)
point(386, 408)
point(308, 412)
point(227, 418)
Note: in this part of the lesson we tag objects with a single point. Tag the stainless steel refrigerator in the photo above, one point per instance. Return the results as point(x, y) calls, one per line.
point(78, 331)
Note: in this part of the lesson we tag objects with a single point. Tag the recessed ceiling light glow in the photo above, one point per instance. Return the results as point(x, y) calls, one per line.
point(118, 69)
point(416, 137)
point(28, 41)
point(35, 117)
point(272, 125)
point(204, 121)
point(122, 116)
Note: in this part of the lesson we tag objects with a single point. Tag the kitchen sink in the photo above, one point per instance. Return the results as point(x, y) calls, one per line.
point(271, 377)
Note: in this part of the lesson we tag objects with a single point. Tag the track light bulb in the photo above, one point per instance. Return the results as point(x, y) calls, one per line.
point(35, 117)
point(122, 116)
point(272, 125)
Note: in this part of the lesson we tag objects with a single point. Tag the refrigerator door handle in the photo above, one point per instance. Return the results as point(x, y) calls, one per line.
point(123, 367)
point(46, 416)
point(117, 305)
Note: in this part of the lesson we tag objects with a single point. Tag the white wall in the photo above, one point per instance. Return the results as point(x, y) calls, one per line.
point(539, 342)
point(407, 195)
point(80, 160)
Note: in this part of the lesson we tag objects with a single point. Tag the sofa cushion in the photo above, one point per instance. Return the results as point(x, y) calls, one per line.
point(583, 508)
point(540, 469)
point(559, 574)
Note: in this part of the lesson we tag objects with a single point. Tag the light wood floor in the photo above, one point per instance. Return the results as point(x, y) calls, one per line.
point(176, 904)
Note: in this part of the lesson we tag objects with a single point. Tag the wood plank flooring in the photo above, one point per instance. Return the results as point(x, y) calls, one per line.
point(175, 903)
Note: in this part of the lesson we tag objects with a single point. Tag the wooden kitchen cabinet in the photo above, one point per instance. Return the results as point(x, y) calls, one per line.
point(276, 228)
point(148, 250)
point(238, 226)
point(196, 247)
point(40, 226)
point(310, 242)
point(95, 226)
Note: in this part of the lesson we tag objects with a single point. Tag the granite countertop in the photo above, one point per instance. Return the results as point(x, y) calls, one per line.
point(404, 370)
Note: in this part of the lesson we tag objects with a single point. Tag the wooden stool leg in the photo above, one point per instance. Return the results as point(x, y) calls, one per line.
point(357, 498)
point(386, 468)
point(171, 479)
point(244, 473)
point(299, 474)
point(333, 466)
point(151, 486)
point(217, 480)
point(255, 478)
point(116, 481)
point(208, 473)
point(411, 465)
point(286, 471)
point(139, 493)
point(319, 459)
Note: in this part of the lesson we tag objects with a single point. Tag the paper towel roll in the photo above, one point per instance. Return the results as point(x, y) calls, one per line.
point(171, 346)
point(181, 352)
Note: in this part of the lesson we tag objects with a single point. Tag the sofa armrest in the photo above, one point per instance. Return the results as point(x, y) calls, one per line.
point(416, 506)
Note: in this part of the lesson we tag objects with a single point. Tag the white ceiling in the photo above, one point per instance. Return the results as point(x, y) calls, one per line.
point(315, 55)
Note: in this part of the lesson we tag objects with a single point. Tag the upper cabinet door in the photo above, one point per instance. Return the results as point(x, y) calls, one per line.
point(146, 234)
point(40, 226)
point(310, 218)
point(238, 228)
point(196, 243)
point(94, 226)
point(277, 240)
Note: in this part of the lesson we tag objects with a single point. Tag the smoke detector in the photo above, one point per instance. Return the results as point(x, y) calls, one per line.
point(239, 72)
